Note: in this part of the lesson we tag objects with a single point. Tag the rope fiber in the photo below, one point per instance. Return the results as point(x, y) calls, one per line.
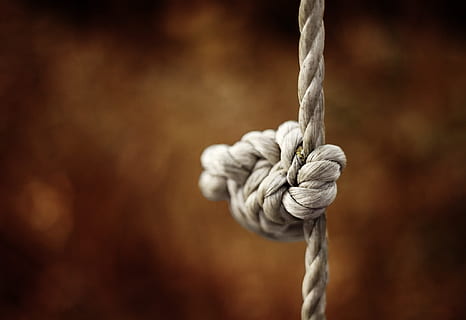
point(279, 182)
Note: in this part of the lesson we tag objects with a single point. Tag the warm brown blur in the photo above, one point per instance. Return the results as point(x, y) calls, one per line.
point(106, 107)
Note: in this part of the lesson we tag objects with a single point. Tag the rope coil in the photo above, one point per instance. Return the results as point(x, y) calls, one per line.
point(279, 182)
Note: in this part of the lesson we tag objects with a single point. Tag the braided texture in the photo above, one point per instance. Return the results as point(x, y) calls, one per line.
point(311, 74)
point(311, 120)
point(279, 183)
point(272, 189)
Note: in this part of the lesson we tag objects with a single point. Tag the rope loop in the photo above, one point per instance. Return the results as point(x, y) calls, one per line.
point(272, 188)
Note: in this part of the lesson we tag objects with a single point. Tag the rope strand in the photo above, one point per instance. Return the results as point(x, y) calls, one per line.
point(311, 122)
point(316, 276)
point(311, 74)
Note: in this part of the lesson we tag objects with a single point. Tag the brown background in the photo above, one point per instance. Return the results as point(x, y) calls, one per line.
point(105, 107)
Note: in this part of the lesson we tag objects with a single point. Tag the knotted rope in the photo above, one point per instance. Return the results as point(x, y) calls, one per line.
point(280, 182)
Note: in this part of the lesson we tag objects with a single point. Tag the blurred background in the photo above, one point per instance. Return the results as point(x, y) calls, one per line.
point(106, 106)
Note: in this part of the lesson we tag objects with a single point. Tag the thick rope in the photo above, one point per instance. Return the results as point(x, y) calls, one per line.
point(311, 121)
point(279, 182)
point(311, 74)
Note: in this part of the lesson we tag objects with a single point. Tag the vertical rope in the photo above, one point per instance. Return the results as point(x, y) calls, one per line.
point(311, 122)
point(316, 276)
point(311, 74)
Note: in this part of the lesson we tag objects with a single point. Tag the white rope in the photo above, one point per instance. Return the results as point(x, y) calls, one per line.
point(311, 120)
point(279, 182)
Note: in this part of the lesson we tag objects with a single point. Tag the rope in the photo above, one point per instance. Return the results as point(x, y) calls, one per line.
point(311, 74)
point(279, 182)
point(311, 121)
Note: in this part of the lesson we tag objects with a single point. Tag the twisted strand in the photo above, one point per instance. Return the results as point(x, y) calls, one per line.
point(311, 121)
point(311, 74)
point(316, 277)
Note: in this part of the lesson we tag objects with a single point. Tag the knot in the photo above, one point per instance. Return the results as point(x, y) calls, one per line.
point(271, 184)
